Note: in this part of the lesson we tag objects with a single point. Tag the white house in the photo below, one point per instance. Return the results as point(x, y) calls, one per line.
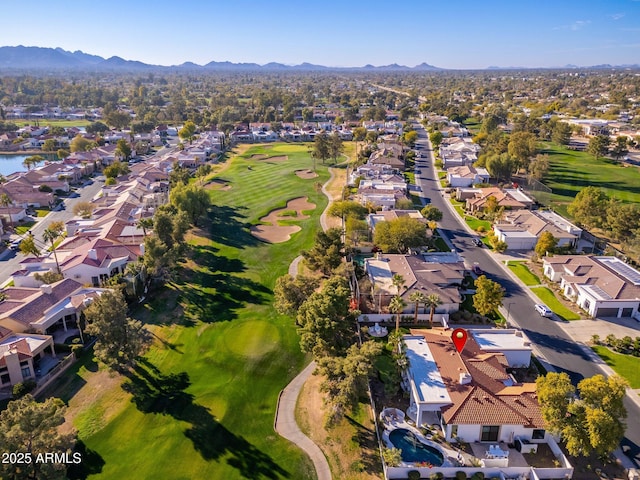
point(602, 286)
point(466, 176)
point(521, 229)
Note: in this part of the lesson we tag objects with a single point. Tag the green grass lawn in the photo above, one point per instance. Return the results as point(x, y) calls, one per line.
point(571, 170)
point(549, 299)
point(523, 273)
point(42, 212)
point(474, 223)
point(202, 404)
point(24, 227)
point(627, 366)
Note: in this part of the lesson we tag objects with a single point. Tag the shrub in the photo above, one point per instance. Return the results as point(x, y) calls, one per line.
point(413, 475)
point(45, 188)
point(461, 475)
point(76, 350)
point(436, 476)
point(62, 347)
point(22, 388)
point(477, 476)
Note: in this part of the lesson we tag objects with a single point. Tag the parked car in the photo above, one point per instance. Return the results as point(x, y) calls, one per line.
point(543, 310)
point(476, 269)
point(476, 241)
point(15, 245)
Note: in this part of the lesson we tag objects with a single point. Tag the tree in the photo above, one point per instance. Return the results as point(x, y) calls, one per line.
point(192, 199)
point(435, 138)
point(392, 456)
point(488, 296)
point(118, 119)
point(522, 146)
point(31, 428)
point(290, 292)
point(326, 253)
point(590, 207)
point(598, 146)
point(187, 131)
point(409, 138)
point(346, 378)
point(48, 277)
point(546, 244)
point(501, 166)
point(321, 149)
point(623, 220)
point(123, 149)
point(336, 148)
point(561, 133)
point(62, 153)
point(81, 144)
point(620, 147)
point(96, 127)
point(538, 167)
point(396, 306)
point(120, 339)
point(28, 246)
point(49, 145)
point(592, 422)
point(325, 321)
point(32, 161)
point(51, 234)
point(417, 298)
point(116, 169)
point(347, 208)
point(432, 302)
point(400, 234)
point(145, 224)
point(6, 201)
point(83, 209)
point(431, 213)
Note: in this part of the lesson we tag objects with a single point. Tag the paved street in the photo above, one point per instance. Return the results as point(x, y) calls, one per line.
point(10, 260)
point(551, 340)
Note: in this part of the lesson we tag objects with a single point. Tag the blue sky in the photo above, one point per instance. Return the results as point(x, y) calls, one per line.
point(461, 34)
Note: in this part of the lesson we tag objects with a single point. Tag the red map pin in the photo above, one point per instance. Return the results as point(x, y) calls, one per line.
point(459, 337)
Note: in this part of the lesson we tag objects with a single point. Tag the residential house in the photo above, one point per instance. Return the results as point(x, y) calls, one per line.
point(387, 215)
point(469, 394)
point(456, 152)
point(602, 286)
point(466, 176)
point(521, 229)
point(21, 354)
point(512, 199)
point(44, 309)
point(441, 274)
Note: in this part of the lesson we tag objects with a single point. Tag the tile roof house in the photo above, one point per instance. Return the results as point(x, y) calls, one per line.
point(466, 175)
point(43, 309)
point(508, 198)
point(521, 229)
point(20, 355)
point(602, 286)
point(439, 274)
point(469, 395)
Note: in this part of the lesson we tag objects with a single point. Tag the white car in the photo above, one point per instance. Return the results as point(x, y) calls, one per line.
point(543, 310)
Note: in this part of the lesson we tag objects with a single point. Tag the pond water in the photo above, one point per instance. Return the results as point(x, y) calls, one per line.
point(13, 163)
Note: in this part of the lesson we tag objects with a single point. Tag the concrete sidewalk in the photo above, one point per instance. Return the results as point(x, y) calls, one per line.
point(285, 423)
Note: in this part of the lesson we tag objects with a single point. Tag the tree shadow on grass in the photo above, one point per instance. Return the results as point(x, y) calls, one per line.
point(228, 226)
point(91, 463)
point(154, 392)
point(215, 291)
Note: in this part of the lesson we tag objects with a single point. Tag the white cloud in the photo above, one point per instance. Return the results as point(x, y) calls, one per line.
point(577, 25)
point(617, 16)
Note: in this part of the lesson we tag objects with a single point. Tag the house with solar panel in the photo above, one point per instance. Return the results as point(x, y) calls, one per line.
point(601, 286)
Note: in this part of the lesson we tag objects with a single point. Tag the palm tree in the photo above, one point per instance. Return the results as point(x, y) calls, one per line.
point(51, 234)
point(396, 306)
point(432, 302)
point(5, 201)
point(145, 223)
point(418, 298)
point(398, 281)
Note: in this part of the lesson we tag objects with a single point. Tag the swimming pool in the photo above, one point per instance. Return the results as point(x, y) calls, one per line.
point(413, 450)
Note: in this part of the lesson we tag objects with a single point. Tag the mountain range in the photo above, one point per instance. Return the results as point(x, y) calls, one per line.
point(23, 58)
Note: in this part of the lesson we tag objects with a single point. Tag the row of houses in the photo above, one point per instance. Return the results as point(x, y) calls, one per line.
point(95, 249)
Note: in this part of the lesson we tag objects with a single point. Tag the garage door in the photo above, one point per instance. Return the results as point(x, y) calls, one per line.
point(607, 312)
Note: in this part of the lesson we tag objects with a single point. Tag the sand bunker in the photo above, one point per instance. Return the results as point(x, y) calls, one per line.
point(306, 174)
point(259, 156)
point(217, 184)
point(275, 233)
